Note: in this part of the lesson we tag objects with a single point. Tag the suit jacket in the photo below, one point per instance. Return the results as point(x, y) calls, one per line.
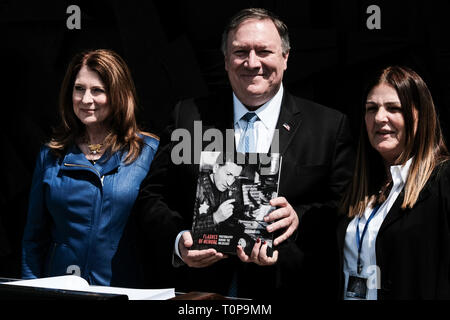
point(413, 245)
point(317, 153)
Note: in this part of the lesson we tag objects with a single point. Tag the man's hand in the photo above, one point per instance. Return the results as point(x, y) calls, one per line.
point(258, 254)
point(197, 258)
point(285, 217)
point(224, 211)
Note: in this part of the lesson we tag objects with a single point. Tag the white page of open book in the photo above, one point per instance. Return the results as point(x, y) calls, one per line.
point(71, 282)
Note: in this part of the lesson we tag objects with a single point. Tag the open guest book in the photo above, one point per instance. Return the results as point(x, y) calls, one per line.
point(75, 283)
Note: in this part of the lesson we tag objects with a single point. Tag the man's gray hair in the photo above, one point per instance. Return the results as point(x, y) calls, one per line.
point(260, 14)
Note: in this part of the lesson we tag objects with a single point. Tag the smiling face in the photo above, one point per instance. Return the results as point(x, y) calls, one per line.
point(89, 98)
point(225, 175)
point(385, 122)
point(255, 61)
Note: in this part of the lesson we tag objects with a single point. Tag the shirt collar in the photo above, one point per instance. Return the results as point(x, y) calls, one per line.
point(399, 173)
point(265, 112)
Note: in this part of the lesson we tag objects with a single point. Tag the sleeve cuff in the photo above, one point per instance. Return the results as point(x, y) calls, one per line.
point(176, 259)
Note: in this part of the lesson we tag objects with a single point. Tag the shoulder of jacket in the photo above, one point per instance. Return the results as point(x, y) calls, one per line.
point(442, 170)
point(47, 158)
point(44, 149)
point(45, 153)
point(313, 108)
point(150, 139)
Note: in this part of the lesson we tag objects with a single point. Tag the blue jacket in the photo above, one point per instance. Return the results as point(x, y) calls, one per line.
point(78, 213)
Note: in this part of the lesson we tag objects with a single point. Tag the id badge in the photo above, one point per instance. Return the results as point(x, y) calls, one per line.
point(357, 287)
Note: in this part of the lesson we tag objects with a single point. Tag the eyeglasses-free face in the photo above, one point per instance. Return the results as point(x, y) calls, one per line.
point(385, 122)
point(89, 97)
point(255, 61)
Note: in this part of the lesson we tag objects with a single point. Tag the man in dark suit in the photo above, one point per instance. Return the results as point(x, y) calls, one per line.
point(316, 151)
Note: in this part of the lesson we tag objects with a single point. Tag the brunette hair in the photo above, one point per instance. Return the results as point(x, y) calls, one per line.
point(423, 142)
point(121, 94)
point(260, 14)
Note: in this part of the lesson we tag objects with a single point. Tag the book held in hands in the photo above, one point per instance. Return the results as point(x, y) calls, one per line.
point(232, 199)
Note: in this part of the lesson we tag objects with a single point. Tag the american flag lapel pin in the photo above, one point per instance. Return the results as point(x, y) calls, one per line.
point(286, 126)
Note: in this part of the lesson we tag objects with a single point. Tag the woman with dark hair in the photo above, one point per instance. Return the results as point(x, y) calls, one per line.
point(87, 178)
point(394, 240)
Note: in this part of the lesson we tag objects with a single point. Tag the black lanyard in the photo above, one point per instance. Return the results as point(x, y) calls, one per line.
point(359, 240)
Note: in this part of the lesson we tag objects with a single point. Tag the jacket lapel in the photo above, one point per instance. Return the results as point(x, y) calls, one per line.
point(112, 164)
point(75, 156)
point(394, 213)
point(288, 122)
point(75, 160)
point(221, 117)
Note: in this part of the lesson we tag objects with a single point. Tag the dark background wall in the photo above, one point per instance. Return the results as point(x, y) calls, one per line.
point(172, 48)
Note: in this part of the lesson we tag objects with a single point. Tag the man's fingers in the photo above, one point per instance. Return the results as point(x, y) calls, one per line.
point(277, 214)
point(258, 254)
point(241, 254)
point(289, 231)
point(263, 252)
point(280, 224)
point(255, 251)
point(274, 256)
point(263, 258)
point(279, 202)
point(186, 239)
point(203, 258)
point(284, 218)
point(198, 255)
point(209, 260)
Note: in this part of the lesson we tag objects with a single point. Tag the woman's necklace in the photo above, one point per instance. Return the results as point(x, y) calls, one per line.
point(95, 148)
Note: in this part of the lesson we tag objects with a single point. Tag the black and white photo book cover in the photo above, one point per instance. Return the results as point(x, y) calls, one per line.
point(232, 199)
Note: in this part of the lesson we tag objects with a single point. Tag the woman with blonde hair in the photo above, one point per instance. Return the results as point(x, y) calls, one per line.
point(87, 178)
point(394, 239)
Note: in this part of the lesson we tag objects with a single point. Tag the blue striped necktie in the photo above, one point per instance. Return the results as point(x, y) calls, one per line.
point(247, 142)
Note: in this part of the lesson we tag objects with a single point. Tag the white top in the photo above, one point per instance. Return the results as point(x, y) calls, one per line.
point(268, 115)
point(368, 257)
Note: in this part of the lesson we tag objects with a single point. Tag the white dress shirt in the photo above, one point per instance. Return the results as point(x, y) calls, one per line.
point(268, 115)
point(368, 257)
